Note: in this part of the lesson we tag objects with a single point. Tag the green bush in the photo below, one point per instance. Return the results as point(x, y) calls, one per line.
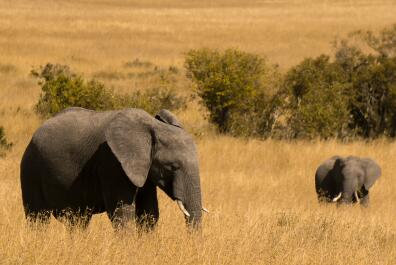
point(372, 78)
point(382, 43)
point(316, 100)
point(353, 95)
point(61, 89)
point(349, 94)
point(155, 99)
point(232, 86)
point(5, 145)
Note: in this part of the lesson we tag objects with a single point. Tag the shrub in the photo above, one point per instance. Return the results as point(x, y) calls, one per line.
point(317, 103)
point(322, 113)
point(382, 43)
point(353, 95)
point(231, 85)
point(5, 145)
point(372, 76)
point(373, 105)
point(155, 99)
point(62, 88)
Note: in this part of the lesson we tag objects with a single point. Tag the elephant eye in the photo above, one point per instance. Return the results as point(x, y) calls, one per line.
point(171, 167)
point(175, 166)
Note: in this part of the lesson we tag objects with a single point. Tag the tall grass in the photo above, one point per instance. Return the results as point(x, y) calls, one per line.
point(260, 193)
point(263, 211)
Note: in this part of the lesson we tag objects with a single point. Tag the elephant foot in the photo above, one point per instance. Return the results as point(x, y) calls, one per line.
point(146, 222)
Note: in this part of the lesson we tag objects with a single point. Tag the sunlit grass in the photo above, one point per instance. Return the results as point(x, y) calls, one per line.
point(260, 193)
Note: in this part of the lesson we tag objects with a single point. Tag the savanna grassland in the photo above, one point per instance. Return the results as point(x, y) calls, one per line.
point(260, 193)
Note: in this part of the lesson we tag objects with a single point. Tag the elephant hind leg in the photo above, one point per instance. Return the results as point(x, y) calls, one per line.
point(35, 207)
point(34, 203)
point(35, 216)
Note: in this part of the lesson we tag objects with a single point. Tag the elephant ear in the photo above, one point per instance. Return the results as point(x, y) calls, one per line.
point(131, 142)
point(168, 117)
point(323, 171)
point(373, 172)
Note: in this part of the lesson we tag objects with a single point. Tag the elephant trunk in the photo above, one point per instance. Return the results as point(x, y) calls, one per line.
point(346, 197)
point(187, 192)
point(350, 186)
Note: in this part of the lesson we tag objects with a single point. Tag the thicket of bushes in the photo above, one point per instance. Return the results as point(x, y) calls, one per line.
point(5, 145)
point(62, 88)
point(350, 94)
point(233, 86)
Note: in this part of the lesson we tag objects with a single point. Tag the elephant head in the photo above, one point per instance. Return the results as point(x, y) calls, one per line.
point(346, 180)
point(164, 153)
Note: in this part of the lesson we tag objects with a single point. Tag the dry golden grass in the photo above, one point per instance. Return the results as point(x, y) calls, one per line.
point(98, 35)
point(263, 211)
point(260, 193)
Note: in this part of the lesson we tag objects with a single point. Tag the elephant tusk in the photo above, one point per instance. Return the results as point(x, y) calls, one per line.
point(205, 210)
point(357, 197)
point(181, 206)
point(338, 197)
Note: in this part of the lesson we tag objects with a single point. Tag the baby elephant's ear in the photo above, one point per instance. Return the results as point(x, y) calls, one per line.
point(131, 142)
point(373, 172)
point(168, 117)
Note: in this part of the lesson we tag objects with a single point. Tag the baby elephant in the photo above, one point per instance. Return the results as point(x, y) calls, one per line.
point(346, 179)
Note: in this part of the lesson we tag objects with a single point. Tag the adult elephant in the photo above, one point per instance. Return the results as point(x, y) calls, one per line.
point(346, 179)
point(83, 162)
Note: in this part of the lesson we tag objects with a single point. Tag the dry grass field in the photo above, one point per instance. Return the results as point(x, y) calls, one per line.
point(260, 193)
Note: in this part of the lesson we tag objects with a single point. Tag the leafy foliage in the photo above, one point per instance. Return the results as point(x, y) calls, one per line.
point(347, 95)
point(61, 89)
point(231, 85)
point(316, 100)
point(372, 79)
point(155, 99)
point(382, 43)
point(350, 96)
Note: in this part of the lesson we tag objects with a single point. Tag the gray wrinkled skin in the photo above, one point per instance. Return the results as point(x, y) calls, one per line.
point(83, 162)
point(346, 175)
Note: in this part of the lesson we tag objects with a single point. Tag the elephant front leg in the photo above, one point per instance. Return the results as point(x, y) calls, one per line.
point(119, 201)
point(118, 192)
point(364, 197)
point(147, 213)
point(123, 214)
